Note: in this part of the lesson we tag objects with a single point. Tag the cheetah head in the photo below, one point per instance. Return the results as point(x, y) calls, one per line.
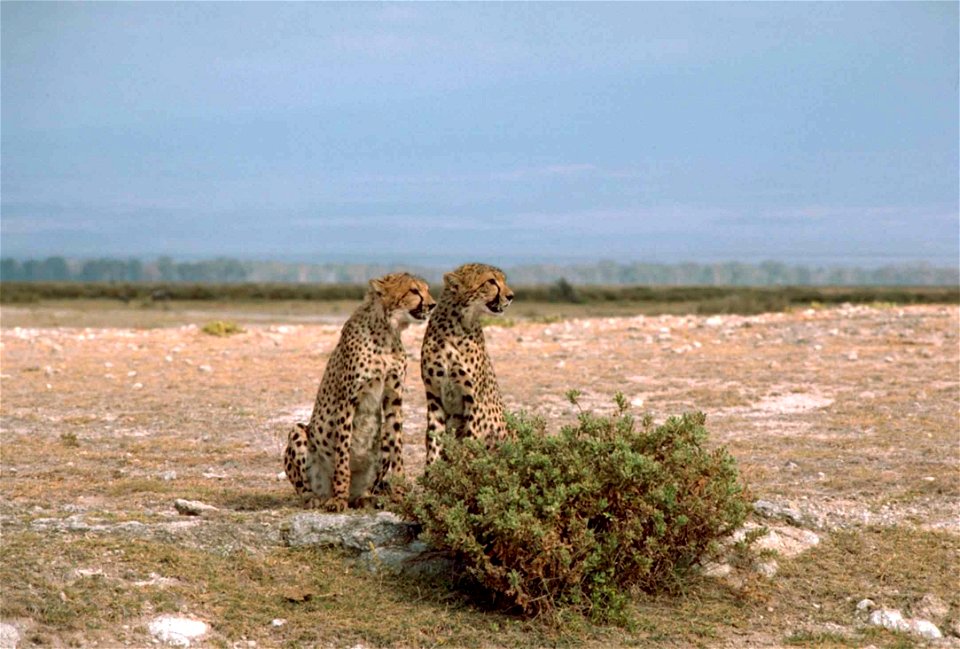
point(405, 297)
point(481, 287)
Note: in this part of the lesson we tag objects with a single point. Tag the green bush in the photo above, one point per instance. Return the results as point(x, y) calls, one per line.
point(576, 520)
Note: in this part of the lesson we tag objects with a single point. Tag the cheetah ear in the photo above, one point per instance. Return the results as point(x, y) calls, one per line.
point(377, 286)
point(451, 279)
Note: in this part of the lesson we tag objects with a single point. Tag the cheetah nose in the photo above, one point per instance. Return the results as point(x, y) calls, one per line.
point(509, 297)
point(431, 307)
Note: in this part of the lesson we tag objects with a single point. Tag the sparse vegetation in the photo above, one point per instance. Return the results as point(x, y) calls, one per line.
point(222, 328)
point(581, 299)
point(879, 447)
point(69, 439)
point(579, 519)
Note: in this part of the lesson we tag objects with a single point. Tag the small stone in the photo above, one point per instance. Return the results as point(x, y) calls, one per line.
point(865, 605)
point(277, 622)
point(9, 636)
point(168, 475)
point(925, 629)
point(852, 356)
point(192, 507)
point(177, 631)
point(132, 373)
point(893, 620)
point(768, 568)
point(717, 570)
point(205, 368)
point(637, 402)
point(137, 386)
point(888, 619)
point(281, 476)
point(769, 509)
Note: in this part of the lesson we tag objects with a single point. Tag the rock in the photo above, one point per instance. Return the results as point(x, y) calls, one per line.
point(277, 622)
point(414, 559)
point(193, 507)
point(205, 368)
point(889, 619)
point(931, 607)
point(769, 509)
point(768, 568)
point(168, 475)
point(9, 636)
point(177, 631)
point(717, 570)
point(352, 531)
point(865, 605)
point(925, 629)
point(785, 541)
point(893, 620)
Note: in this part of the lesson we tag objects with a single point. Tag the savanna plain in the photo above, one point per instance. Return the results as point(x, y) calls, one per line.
point(843, 420)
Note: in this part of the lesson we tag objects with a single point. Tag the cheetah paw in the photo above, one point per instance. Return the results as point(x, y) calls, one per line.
point(334, 504)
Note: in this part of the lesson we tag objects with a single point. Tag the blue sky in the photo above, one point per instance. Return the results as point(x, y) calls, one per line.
point(816, 133)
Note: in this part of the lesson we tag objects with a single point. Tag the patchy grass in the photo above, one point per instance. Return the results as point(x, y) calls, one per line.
point(893, 566)
point(321, 597)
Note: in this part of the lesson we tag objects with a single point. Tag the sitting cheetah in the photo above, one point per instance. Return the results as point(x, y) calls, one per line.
point(462, 390)
point(354, 440)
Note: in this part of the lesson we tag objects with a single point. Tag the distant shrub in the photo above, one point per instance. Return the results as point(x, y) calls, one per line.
point(69, 439)
point(563, 291)
point(222, 328)
point(576, 520)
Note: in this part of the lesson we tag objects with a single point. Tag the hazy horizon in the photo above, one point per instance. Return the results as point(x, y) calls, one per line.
point(820, 134)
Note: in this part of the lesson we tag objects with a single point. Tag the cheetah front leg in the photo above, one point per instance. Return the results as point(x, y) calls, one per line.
point(391, 435)
point(295, 459)
point(340, 480)
point(463, 421)
point(435, 419)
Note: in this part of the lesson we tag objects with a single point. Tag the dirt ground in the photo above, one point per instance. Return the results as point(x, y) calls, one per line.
point(848, 415)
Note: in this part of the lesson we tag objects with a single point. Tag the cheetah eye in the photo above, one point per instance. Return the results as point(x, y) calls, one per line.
point(415, 291)
point(492, 281)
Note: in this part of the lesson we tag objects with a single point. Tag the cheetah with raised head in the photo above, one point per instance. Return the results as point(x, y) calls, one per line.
point(462, 391)
point(354, 438)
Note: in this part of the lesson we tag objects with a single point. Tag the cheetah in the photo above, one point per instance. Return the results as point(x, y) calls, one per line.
point(354, 438)
point(462, 391)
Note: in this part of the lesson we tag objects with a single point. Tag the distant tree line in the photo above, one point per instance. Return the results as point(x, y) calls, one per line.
point(607, 273)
